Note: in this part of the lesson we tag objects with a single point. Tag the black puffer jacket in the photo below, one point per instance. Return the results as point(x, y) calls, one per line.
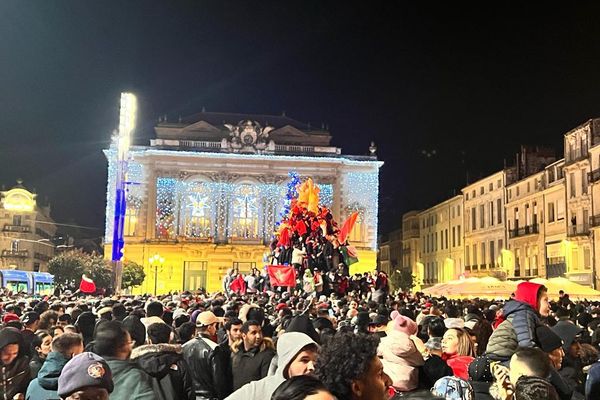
point(14, 377)
point(171, 375)
point(211, 367)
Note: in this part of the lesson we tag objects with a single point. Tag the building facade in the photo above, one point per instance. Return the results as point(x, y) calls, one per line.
point(390, 251)
point(440, 233)
point(525, 226)
point(207, 193)
point(579, 164)
point(27, 231)
point(411, 245)
point(485, 232)
point(538, 218)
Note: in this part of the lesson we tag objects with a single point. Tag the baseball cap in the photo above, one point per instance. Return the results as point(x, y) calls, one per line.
point(30, 317)
point(206, 318)
point(84, 370)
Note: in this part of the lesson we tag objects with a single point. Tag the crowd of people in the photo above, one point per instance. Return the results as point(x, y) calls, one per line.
point(299, 345)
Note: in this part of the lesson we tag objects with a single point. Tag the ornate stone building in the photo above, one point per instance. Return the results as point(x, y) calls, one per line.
point(206, 195)
point(27, 231)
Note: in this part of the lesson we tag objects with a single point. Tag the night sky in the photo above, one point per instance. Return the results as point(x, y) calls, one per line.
point(446, 92)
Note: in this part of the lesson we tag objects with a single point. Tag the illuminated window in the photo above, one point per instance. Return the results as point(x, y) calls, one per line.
point(131, 220)
point(244, 205)
point(197, 212)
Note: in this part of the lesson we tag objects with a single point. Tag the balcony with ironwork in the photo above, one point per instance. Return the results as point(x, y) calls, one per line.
point(15, 253)
point(594, 176)
point(555, 267)
point(524, 231)
point(16, 228)
point(578, 230)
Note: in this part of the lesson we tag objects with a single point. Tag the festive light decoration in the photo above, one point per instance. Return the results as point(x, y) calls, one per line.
point(204, 209)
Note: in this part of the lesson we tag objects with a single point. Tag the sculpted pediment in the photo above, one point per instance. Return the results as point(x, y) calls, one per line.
point(201, 126)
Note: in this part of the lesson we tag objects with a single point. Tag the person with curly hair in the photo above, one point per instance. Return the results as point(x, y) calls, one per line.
point(350, 369)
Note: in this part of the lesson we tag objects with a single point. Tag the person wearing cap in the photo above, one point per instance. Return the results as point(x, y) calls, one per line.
point(571, 367)
point(86, 376)
point(14, 364)
point(45, 384)
point(210, 362)
point(30, 321)
point(552, 345)
point(378, 325)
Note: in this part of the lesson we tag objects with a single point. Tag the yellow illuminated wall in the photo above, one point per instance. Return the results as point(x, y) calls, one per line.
point(204, 259)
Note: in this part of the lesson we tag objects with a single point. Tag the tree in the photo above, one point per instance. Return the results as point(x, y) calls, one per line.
point(133, 275)
point(68, 267)
point(99, 271)
point(403, 279)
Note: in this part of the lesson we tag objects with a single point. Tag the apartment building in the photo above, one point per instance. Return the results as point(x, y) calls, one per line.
point(485, 233)
point(441, 230)
point(525, 225)
point(554, 228)
point(411, 243)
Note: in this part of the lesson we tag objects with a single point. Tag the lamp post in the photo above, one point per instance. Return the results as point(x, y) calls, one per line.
point(126, 125)
point(155, 261)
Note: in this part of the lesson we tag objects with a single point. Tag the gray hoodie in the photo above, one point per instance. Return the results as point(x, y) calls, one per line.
point(288, 347)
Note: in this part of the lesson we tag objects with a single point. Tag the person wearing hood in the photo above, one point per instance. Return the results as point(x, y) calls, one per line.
point(86, 322)
point(297, 353)
point(399, 355)
point(522, 316)
point(571, 369)
point(171, 375)
point(45, 386)
point(15, 374)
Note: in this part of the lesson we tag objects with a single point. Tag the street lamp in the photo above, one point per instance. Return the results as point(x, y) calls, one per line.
point(155, 261)
point(126, 125)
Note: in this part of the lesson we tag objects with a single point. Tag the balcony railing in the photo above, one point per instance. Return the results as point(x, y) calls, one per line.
point(15, 253)
point(578, 230)
point(594, 176)
point(16, 228)
point(526, 230)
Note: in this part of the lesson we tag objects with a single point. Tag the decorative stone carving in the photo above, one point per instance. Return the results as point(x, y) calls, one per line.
point(248, 137)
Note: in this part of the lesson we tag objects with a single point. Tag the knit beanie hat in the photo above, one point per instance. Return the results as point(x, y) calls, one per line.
point(403, 324)
point(83, 370)
point(547, 339)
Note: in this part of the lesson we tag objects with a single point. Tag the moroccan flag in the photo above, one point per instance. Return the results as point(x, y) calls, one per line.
point(87, 285)
point(281, 275)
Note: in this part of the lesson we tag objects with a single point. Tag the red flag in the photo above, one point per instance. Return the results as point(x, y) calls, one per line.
point(347, 227)
point(87, 285)
point(281, 275)
point(238, 285)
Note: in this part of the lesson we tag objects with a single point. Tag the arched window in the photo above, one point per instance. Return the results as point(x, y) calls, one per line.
point(197, 212)
point(244, 212)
